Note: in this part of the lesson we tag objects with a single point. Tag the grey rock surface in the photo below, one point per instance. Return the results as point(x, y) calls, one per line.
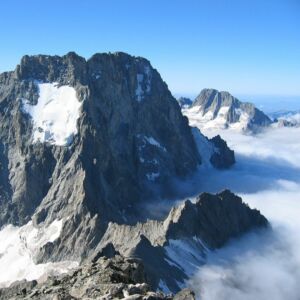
point(139, 254)
point(185, 294)
point(114, 278)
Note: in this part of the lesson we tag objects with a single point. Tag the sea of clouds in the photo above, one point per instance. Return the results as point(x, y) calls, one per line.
point(264, 264)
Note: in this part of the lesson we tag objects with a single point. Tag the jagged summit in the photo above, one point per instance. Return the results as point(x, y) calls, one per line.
point(219, 110)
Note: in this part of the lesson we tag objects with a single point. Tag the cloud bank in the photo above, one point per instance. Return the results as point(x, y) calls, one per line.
point(266, 264)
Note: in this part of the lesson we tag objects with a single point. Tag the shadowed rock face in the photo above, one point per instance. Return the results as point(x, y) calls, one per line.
point(224, 156)
point(130, 135)
point(189, 231)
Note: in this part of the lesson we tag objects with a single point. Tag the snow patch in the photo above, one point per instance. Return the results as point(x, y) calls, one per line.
point(208, 121)
point(187, 254)
point(19, 245)
point(55, 115)
point(205, 148)
point(152, 141)
point(149, 77)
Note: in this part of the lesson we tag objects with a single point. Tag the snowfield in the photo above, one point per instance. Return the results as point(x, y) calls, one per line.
point(207, 121)
point(17, 250)
point(55, 115)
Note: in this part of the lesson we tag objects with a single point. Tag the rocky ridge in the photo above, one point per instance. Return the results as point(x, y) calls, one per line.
point(172, 249)
point(106, 278)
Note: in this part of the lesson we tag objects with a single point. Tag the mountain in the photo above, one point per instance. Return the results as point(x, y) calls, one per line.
point(173, 248)
point(184, 102)
point(285, 118)
point(219, 110)
point(84, 146)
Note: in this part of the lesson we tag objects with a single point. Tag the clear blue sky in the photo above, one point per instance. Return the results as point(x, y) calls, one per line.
point(248, 47)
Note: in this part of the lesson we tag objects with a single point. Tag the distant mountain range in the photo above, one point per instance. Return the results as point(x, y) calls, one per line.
point(286, 118)
point(220, 110)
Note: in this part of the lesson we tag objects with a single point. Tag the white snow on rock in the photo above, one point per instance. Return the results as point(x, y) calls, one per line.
point(55, 115)
point(18, 246)
point(139, 90)
point(186, 254)
point(150, 140)
point(207, 121)
point(205, 148)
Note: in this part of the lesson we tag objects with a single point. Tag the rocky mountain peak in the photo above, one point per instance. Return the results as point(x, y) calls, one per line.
point(221, 110)
point(87, 142)
point(187, 220)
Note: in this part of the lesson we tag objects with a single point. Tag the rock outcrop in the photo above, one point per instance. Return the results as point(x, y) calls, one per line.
point(106, 278)
point(220, 110)
point(184, 102)
point(141, 261)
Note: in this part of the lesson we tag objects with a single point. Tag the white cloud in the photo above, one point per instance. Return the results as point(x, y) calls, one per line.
point(261, 265)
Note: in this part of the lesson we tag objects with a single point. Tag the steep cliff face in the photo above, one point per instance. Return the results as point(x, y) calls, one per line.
point(84, 141)
point(220, 110)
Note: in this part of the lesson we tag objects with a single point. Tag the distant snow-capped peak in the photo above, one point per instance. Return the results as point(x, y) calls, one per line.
point(220, 110)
